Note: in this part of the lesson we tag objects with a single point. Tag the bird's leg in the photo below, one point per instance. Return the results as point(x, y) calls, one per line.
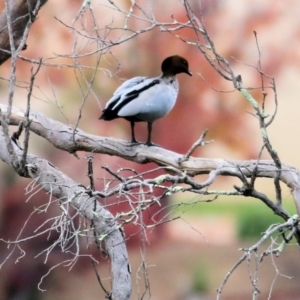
point(149, 134)
point(149, 143)
point(133, 140)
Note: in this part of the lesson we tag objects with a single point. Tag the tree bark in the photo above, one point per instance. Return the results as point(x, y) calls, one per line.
point(20, 13)
point(67, 138)
point(106, 228)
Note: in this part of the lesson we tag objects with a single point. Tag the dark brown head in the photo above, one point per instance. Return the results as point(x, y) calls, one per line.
point(173, 65)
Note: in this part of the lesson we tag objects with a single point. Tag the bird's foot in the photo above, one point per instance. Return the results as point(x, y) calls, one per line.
point(135, 142)
point(149, 144)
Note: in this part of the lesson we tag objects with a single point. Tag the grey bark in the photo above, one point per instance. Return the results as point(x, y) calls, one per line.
point(56, 183)
point(72, 139)
point(69, 139)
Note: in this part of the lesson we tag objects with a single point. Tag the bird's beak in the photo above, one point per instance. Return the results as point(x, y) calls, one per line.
point(189, 72)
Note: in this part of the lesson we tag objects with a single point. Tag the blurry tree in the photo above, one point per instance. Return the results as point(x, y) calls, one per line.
point(84, 218)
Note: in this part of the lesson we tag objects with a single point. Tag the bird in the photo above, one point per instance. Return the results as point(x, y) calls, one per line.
point(146, 99)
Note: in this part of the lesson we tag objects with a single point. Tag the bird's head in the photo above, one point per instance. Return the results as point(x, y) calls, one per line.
point(175, 64)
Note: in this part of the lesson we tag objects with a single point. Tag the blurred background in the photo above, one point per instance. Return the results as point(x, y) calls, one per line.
point(189, 257)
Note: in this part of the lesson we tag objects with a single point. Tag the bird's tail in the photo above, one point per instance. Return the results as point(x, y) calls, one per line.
point(108, 115)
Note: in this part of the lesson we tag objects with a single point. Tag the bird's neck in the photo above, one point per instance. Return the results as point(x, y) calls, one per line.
point(167, 75)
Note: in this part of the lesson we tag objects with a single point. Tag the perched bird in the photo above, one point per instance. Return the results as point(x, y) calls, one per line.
point(144, 99)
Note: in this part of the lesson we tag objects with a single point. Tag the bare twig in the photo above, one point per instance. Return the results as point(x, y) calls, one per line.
point(199, 143)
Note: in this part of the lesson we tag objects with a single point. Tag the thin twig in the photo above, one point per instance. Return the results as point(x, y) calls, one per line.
point(199, 143)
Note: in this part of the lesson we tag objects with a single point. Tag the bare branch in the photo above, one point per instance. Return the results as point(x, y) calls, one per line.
point(60, 136)
point(200, 142)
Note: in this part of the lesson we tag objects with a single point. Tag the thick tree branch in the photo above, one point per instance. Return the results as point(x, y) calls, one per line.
point(106, 229)
point(61, 136)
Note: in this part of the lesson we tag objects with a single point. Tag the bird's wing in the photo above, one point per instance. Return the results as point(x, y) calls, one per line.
point(122, 90)
point(128, 91)
point(128, 84)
